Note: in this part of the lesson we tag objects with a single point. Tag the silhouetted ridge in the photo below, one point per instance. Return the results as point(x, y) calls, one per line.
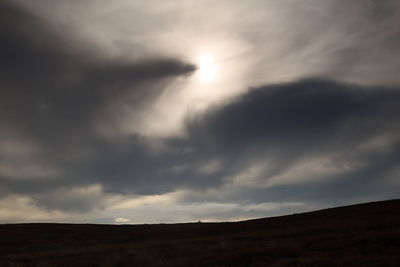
point(356, 235)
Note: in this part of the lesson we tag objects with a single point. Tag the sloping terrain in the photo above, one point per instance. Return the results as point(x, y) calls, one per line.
point(358, 235)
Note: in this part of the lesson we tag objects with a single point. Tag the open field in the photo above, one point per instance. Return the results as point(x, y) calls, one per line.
point(359, 235)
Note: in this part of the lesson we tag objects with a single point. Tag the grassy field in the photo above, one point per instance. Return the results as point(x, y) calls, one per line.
point(359, 235)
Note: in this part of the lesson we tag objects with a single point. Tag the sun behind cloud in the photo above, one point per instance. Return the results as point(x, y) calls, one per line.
point(208, 69)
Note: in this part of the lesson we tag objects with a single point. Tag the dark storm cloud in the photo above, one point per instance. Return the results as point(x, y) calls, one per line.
point(356, 128)
point(43, 83)
point(53, 86)
point(50, 82)
point(301, 113)
point(281, 125)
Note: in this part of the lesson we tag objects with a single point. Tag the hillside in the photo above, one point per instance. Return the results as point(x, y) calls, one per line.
point(358, 235)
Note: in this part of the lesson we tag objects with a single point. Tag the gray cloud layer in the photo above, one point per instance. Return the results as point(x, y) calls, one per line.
point(65, 108)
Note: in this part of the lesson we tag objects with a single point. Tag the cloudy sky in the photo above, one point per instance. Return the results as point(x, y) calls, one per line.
point(133, 111)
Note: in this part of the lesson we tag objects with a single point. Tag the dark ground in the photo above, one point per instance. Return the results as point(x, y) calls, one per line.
point(358, 235)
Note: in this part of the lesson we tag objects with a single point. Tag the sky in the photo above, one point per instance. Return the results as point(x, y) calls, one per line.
point(132, 111)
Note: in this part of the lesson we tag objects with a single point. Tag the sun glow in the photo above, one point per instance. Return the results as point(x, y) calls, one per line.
point(208, 69)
